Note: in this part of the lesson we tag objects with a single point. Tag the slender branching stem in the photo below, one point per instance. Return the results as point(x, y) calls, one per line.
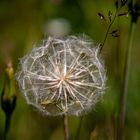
point(124, 90)
point(66, 128)
point(108, 29)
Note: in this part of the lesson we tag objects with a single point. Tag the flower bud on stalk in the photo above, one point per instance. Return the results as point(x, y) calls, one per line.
point(8, 98)
point(62, 76)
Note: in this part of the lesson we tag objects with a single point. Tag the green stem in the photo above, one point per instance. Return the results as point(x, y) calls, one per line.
point(78, 129)
point(123, 100)
point(7, 125)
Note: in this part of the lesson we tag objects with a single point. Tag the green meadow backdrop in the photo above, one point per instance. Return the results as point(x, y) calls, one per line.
point(23, 23)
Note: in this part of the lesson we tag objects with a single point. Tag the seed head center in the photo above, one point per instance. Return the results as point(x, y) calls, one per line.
point(62, 80)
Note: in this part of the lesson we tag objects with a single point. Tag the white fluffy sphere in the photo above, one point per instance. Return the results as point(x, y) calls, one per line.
point(62, 75)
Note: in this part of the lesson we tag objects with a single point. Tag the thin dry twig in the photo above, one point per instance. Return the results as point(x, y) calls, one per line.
point(66, 128)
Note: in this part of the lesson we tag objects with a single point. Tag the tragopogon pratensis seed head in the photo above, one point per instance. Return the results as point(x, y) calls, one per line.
point(63, 75)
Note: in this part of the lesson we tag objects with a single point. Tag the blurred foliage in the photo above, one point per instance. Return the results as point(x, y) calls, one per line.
point(23, 23)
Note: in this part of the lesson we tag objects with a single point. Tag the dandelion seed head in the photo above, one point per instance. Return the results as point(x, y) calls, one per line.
point(62, 75)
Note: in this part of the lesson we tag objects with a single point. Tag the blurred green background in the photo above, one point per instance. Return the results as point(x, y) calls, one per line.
point(24, 22)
